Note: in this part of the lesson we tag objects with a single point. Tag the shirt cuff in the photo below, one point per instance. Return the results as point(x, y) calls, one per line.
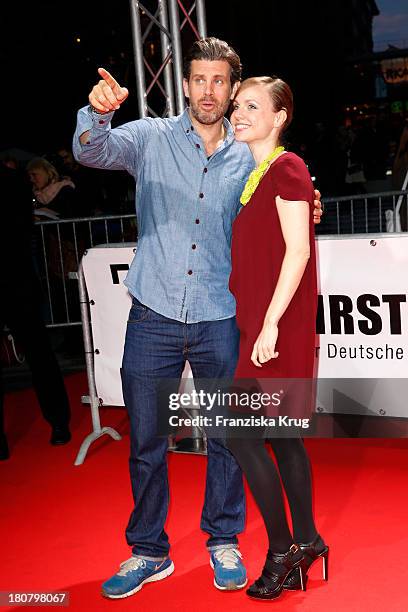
point(99, 120)
point(88, 121)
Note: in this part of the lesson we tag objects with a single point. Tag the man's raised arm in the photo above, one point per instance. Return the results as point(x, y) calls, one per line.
point(95, 143)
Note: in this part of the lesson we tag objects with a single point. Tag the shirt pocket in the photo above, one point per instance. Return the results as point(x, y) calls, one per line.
point(231, 189)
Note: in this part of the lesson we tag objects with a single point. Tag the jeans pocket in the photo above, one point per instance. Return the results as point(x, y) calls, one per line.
point(138, 312)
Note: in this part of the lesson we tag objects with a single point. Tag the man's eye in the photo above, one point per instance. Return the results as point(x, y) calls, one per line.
point(252, 106)
point(219, 81)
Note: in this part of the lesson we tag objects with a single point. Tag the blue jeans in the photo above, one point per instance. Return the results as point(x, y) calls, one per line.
point(157, 348)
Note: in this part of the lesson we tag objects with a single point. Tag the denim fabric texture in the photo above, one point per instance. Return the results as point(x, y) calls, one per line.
point(156, 348)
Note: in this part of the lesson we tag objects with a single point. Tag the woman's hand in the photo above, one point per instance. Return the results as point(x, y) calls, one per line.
point(264, 347)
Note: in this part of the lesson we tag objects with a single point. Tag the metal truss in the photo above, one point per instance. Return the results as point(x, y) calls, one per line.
point(159, 28)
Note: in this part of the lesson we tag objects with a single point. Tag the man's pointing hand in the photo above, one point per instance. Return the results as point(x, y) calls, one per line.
point(107, 95)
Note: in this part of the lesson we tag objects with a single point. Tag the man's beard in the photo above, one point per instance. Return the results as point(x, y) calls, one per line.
point(208, 117)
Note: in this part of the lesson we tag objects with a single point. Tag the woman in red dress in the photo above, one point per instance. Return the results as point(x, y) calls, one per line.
point(274, 282)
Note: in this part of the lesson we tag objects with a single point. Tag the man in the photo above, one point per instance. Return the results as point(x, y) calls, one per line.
point(190, 174)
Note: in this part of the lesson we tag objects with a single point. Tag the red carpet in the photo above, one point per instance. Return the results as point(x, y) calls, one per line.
point(62, 526)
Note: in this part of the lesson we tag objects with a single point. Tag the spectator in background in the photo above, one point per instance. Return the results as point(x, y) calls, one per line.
point(20, 308)
point(54, 196)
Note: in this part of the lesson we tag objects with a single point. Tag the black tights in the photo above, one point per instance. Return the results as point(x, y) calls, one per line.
point(263, 479)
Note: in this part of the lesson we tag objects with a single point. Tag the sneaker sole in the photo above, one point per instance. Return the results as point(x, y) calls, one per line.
point(154, 578)
point(233, 587)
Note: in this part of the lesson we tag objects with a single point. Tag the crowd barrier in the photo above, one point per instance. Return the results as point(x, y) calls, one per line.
point(362, 325)
point(59, 245)
point(365, 213)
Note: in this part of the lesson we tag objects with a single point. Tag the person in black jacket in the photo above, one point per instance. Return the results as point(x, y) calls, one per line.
point(21, 305)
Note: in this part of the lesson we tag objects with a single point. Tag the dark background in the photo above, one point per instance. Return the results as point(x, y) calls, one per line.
point(47, 74)
point(323, 49)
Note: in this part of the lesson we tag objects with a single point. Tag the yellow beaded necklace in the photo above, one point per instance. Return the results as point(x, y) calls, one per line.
point(256, 175)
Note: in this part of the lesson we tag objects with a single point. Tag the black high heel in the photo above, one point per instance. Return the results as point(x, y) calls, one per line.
point(311, 551)
point(270, 584)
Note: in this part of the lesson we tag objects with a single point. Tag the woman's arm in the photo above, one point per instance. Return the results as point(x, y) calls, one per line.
point(294, 220)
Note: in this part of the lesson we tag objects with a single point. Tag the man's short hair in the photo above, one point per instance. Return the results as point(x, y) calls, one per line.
point(213, 49)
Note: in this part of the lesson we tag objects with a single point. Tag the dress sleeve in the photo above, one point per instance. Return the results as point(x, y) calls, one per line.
point(291, 179)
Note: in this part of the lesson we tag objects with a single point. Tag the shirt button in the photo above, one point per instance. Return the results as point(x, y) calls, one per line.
point(101, 121)
point(187, 131)
point(197, 221)
point(205, 170)
point(190, 272)
point(198, 146)
point(193, 246)
point(201, 195)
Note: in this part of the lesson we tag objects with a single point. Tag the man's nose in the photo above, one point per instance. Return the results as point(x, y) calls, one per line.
point(209, 89)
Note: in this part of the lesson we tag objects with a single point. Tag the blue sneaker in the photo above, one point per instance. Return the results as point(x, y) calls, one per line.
point(229, 571)
point(133, 574)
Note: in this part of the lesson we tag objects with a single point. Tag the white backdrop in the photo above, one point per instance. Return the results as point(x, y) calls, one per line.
point(363, 321)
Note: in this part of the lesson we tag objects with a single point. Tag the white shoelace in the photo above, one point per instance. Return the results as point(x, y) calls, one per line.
point(131, 564)
point(228, 557)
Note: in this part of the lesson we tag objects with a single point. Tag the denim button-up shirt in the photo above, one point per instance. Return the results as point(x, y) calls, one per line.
point(185, 206)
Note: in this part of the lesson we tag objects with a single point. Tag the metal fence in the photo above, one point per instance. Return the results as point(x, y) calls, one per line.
point(59, 245)
point(364, 213)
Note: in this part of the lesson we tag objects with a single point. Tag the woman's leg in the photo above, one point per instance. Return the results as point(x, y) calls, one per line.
point(264, 482)
point(294, 468)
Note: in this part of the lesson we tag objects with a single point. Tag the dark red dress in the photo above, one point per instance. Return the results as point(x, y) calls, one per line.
point(258, 249)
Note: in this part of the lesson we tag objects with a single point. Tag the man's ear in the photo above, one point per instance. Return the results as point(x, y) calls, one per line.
point(235, 88)
point(185, 88)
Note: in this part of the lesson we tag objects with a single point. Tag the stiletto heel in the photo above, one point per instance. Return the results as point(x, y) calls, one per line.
point(270, 584)
point(325, 557)
point(303, 578)
point(311, 551)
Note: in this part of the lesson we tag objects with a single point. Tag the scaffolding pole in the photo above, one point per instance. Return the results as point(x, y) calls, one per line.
point(159, 29)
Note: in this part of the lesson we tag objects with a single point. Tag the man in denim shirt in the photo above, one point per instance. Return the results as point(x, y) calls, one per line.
point(190, 174)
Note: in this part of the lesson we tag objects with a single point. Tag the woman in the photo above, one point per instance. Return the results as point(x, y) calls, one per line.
point(274, 282)
point(53, 196)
